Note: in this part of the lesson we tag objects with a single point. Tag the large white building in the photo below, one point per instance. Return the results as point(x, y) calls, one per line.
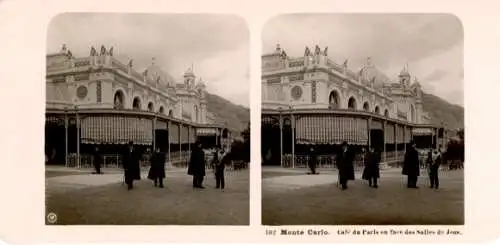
point(98, 100)
point(311, 100)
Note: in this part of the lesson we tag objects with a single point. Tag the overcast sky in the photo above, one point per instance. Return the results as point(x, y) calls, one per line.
point(432, 45)
point(217, 45)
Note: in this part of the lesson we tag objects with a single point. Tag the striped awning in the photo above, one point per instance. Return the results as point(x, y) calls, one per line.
point(116, 130)
point(422, 131)
point(331, 130)
point(184, 134)
point(389, 134)
point(54, 120)
point(206, 132)
point(192, 135)
point(407, 135)
point(269, 120)
point(173, 133)
point(399, 134)
point(161, 125)
point(376, 125)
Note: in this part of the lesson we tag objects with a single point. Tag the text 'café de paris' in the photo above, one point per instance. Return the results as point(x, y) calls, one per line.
point(310, 101)
point(98, 101)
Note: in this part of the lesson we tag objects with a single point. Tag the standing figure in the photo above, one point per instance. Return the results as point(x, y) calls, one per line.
point(196, 166)
point(345, 166)
point(157, 169)
point(131, 165)
point(313, 159)
point(411, 166)
point(372, 167)
point(223, 159)
point(97, 161)
point(435, 162)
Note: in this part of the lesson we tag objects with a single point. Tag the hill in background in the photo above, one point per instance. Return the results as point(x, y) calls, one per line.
point(443, 111)
point(234, 117)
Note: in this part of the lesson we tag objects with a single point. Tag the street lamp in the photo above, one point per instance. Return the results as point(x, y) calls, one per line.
point(78, 162)
point(293, 134)
point(66, 125)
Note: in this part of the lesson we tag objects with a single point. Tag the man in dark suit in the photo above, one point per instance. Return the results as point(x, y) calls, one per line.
point(345, 166)
point(131, 165)
point(197, 165)
point(157, 169)
point(313, 159)
point(411, 166)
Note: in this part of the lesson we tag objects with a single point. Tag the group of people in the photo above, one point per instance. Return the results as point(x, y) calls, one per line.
point(196, 166)
point(371, 172)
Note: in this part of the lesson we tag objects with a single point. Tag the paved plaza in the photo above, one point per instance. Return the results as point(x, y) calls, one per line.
point(291, 197)
point(77, 197)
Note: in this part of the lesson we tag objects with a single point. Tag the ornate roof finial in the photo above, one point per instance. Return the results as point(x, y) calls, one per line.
point(63, 48)
point(103, 50)
point(93, 51)
point(317, 50)
point(130, 61)
point(345, 63)
point(278, 48)
point(153, 60)
point(369, 61)
point(325, 52)
point(307, 51)
point(111, 51)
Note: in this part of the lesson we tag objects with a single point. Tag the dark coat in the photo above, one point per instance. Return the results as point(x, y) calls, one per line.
point(313, 160)
point(157, 169)
point(372, 166)
point(97, 159)
point(345, 165)
point(131, 164)
point(411, 164)
point(197, 162)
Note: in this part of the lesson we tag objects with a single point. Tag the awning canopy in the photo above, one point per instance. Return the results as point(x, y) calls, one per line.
point(206, 132)
point(327, 129)
point(423, 132)
point(116, 130)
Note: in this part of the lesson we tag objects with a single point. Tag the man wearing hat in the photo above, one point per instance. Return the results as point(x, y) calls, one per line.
point(411, 166)
point(131, 165)
point(344, 165)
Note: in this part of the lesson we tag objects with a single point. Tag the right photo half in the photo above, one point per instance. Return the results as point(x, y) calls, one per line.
point(362, 120)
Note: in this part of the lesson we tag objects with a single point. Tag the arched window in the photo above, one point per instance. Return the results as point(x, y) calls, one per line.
point(161, 110)
point(334, 100)
point(352, 103)
point(118, 100)
point(136, 105)
point(366, 106)
point(151, 107)
point(377, 110)
point(170, 113)
point(386, 113)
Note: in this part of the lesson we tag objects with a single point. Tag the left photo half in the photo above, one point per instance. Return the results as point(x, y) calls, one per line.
point(147, 119)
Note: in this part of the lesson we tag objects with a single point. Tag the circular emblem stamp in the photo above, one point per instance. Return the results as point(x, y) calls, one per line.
point(81, 92)
point(296, 92)
point(52, 218)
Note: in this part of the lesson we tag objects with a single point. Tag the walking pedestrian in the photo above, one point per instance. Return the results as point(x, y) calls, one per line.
point(196, 166)
point(313, 160)
point(411, 166)
point(131, 165)
point(372, 167)
point(223, 160)
point(157, 169)
point(344, 165)
point(97, 161)
point(436, 159)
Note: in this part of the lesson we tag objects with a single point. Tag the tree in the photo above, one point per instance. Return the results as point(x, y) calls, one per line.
point(246, 143)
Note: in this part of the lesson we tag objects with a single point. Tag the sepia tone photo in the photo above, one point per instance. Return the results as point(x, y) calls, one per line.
point(147, 120)
point(362, 120)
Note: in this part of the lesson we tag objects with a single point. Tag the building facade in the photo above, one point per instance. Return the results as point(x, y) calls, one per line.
point(313, 101)
point(98, 100)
